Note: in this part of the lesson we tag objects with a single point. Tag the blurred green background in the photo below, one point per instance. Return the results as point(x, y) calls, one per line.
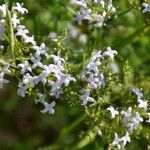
point(22, 125)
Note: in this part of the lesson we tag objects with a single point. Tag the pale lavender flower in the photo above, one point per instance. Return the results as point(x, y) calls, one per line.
point(79, 18)
point(86, 97)
point(25, 67)
point(30, 81)
point(40, 50)
point(48, 107)
point(127, 115)
point(22, 89)
point(135, 121)
point(36, 62)
point(21, 31)
point(138, 93)
point(57, 60)
point(2, 30)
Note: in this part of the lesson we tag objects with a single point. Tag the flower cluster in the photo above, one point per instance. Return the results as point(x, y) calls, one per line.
point(43, 74)
point(86, 13)
point(130, 119)
point(92, 75)
point(51, 75)
point(121, 142)
point(39, 68)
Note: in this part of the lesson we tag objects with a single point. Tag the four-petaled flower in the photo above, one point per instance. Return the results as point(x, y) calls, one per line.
point(113, 111)
point(20, 9)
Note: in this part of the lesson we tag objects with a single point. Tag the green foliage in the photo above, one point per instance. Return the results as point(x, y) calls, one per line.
point(74, 126)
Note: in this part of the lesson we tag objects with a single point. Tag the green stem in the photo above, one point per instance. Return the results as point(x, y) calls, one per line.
point(67, 130)
point(11, 35)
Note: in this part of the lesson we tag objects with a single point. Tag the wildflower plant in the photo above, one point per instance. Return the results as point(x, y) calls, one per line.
point(99, 81)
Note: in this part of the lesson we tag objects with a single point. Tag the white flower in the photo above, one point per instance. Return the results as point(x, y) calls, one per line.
point(48, 107)
point(15, 21)
point(125, 139)
point(73, 31)
point(96, 57)
point(117, 141)
point(30, 81)
point(57, 60)
point(148, 121)
point(138, 93)
point(86, 13)
point(138, 118)
point(142, 104)
point(99, 132)
point(113, 111)
point(111, 53)
point(85, 97)
point(3, 8)
point(1, 47)
point(22, 89)
point(82, 3)
point(121, 142)
point(50, 69)
point(146, 8)
point(83, 38)
point(94, 80)
point(20, 9)
point(102, 2)
point(40, 50)
point(28, 39)
point(52, 35)
point(67, 78)
point(2, 80)
point(25, 67)
point(99, 19)
point(93, 66)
